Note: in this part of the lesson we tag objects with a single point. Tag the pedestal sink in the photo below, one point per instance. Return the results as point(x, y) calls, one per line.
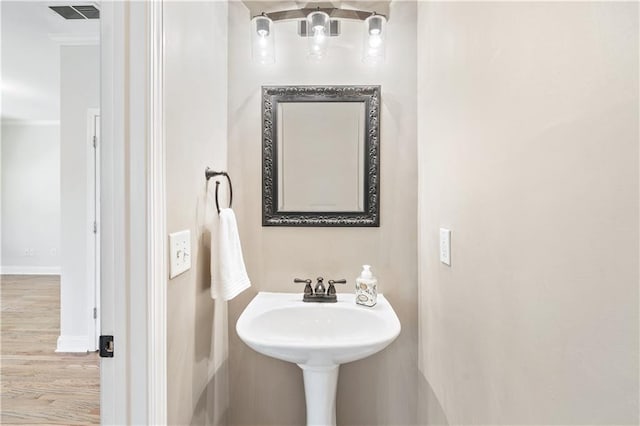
point(318, 337)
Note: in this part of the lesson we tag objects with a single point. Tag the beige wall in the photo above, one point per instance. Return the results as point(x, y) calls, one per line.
point(196, 137)
point(382, 389)
point(528, 152)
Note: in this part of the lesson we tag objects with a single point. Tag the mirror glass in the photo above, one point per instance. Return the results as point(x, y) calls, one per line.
point(320, 148)
point(320, 160)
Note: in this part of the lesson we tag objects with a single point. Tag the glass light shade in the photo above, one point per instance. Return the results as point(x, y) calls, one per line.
point(318, 32)
point(262, 40)
point(374, 39)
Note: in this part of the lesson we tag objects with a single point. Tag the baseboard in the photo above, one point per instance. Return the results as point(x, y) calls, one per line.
point(29, 270)
point(74, 344)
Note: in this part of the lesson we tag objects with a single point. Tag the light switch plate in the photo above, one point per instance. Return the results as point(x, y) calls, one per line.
point(445, 246)
point(179, 252)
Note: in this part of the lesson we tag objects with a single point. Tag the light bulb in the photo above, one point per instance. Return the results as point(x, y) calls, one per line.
point(375, 41)
point(318, 35)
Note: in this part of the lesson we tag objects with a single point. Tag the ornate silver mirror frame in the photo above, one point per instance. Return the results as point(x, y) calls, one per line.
point(370, 214)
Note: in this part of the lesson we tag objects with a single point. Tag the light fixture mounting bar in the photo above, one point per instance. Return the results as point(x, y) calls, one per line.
point(334, 13)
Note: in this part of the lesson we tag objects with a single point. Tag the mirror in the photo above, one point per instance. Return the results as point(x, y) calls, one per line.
point(320, 147)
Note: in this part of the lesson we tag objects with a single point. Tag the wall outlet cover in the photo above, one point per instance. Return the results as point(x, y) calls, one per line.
point(179, 252)
point(445, 246)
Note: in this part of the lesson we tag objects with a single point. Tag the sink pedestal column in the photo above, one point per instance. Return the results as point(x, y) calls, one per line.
point(320, 384)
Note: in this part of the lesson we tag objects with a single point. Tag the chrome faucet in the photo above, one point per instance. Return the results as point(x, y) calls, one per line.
point(320, 293)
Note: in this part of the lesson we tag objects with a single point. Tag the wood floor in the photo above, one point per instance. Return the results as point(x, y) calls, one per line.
point(40, 386)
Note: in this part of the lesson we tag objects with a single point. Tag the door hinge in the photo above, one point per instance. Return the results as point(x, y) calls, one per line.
point(106, 346)
point(95, 227)
point(95, 313)
point(95, 141)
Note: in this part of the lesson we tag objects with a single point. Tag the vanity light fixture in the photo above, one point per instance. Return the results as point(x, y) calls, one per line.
point(375, 32)
point(318, 25)
point(262, 40)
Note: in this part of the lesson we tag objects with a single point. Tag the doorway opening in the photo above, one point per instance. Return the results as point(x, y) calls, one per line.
point(50, 222)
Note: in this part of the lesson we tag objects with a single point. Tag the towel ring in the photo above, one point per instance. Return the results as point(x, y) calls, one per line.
point(208, 174)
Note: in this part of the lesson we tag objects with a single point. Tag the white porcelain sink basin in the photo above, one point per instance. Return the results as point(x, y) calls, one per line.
point(282, 326)
point(318, 337)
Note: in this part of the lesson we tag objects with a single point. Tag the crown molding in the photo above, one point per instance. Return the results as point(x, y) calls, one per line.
point(19, 122)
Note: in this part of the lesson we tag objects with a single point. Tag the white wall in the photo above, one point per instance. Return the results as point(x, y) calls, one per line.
point(28, 93)
point(30, 140)
point(528, 151)
point(30, 198)
point(79, 91)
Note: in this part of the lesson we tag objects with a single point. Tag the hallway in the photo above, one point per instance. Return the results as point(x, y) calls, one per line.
point(40, 386)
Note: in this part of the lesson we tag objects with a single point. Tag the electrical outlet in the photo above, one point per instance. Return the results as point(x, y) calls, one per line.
point(445, 246)
point(179, 252)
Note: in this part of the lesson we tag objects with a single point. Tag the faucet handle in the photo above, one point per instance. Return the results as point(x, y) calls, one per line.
point(332, 288)
point(307, 288)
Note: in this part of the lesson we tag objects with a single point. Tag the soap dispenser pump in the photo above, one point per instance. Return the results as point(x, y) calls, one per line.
point(366, 287)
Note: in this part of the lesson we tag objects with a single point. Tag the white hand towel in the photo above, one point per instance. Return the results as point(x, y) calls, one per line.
point(228, 273)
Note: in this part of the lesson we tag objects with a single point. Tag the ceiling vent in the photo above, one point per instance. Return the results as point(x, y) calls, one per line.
point(77, 12)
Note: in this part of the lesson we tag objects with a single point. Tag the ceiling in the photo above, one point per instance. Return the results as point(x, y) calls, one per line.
point(30, 41)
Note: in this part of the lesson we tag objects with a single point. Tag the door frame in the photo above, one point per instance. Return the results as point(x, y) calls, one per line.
point(93, 219)
point(133, 229)
point(157, 241)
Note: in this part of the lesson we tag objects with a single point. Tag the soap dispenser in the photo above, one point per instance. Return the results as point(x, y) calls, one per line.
point(366, 287)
